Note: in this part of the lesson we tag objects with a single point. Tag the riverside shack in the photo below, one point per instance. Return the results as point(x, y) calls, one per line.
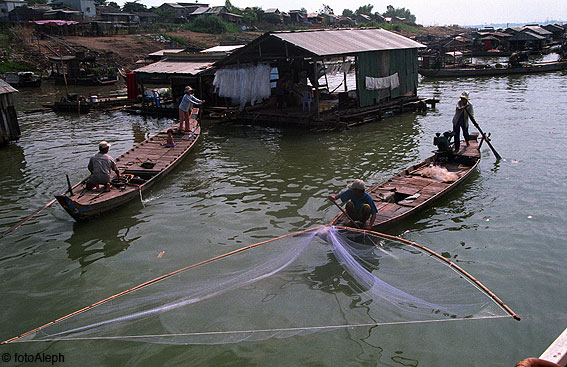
point(9, 127)
point(282, 78)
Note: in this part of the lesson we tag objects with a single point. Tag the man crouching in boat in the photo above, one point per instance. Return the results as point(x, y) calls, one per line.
point(100, 166)
point(360, 207)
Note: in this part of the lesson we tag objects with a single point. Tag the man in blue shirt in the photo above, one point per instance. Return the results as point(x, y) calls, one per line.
point(359, 204)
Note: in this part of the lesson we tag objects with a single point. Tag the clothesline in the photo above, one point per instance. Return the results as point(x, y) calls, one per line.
point(392, 82)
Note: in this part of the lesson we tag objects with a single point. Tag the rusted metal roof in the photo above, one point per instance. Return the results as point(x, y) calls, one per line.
point(6, 88)
point(175, 67)
point(168, 51)
point(347, 41)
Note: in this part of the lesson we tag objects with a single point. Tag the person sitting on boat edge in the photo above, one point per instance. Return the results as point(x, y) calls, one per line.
point(169, 142)
point(461, 119)
point(185, 108)
point(100, 166)
point(360, 206)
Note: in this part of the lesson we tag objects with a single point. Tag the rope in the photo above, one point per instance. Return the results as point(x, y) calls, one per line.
point(255, 331)
point(449, 262)
point(155, 280)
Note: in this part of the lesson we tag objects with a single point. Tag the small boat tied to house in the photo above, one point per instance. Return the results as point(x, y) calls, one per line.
point(420, 184)
point(140, 167)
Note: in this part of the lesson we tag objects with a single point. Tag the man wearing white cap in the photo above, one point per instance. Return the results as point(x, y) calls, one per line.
point(359, 204)
point(100, 166)
point(461, 120)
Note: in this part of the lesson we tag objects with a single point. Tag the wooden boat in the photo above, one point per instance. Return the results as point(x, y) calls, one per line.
point(23, 79)
point(540, 67)
point(142, 166)
point(418, 186)
point(85, 105)
point(554, 356)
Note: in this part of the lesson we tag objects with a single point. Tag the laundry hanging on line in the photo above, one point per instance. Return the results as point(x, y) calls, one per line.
point(245, 84)
point(392, 82)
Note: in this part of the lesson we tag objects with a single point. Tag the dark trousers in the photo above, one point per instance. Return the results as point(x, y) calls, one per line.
point(457, 133)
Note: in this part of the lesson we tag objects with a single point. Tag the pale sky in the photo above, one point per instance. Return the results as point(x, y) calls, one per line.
point(427, 12)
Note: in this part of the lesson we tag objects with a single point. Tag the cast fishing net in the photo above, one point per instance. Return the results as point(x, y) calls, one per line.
point(322, 279)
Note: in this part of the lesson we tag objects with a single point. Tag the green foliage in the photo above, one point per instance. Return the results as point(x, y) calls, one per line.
point(399, 12)
point(166, 14)
point(272, 18)
point(114, 4)
point(134, 7)
point(211, 24)
point(365, 9)
point(179, 40)
point(10, 66)
point(326, 9)
point(348, 13)
point(231, 8)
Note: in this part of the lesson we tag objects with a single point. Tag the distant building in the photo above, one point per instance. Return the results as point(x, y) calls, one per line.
point(28, 13)
point(180, 10)
point(87, 7)
point(7, 6)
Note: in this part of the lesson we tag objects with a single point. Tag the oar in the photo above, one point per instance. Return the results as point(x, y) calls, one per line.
point(498, 157)
point(20, 223)
point(348, 216)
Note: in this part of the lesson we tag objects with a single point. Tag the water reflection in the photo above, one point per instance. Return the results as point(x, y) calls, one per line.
point(89, 244)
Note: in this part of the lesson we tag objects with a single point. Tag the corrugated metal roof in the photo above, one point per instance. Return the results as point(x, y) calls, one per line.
point(6, 88)
point(222, 48)
point(175, 67)
point(347, 41)
point(168, 51)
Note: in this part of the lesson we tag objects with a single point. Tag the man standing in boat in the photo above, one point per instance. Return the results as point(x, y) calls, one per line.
point(461, 120)
point(185, 108)
point(100, 166)
point(359, 204)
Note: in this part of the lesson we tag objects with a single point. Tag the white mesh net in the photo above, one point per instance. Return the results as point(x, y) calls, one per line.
point(321, 279)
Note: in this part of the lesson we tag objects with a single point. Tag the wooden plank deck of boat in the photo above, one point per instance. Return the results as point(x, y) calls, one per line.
point(410, 182)
point(85, 203)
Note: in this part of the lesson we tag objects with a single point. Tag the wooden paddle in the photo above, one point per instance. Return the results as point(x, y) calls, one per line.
point(484, 136)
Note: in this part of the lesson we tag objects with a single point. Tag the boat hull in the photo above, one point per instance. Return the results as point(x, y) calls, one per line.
point(391, 196)
point(471, 72)
point(83, 204)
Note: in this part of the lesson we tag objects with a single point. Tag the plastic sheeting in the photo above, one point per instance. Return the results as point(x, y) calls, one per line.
point(248, 84)
point(323, 279)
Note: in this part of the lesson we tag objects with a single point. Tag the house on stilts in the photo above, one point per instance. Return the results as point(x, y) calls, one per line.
point(286, 78)
point(9, 127)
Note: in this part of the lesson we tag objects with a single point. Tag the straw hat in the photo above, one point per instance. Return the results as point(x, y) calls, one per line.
point(465, 95)
point(358, 185)
point(188, 89)
point(103, 145)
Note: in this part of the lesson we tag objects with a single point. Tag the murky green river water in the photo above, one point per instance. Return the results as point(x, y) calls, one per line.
point(241, 185)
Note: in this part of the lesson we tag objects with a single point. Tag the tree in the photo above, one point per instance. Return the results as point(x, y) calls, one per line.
point(400, 13)
point(326, 9)
point(134, 7)
point(348, 13)
point(231, 8)
point(114, 4)
point(165, 15)
point(365, 9)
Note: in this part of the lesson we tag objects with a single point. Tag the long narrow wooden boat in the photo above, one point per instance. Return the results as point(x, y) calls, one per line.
point(143, 165)
point(419, 185)
point(474, 72)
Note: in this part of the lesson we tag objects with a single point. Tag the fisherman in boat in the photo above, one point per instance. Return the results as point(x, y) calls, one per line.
point(359, 204)
point(185, 108)
point(461, 119)
point(100, 166)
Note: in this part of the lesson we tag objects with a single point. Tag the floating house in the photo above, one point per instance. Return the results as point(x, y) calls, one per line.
point(9, 127)
point(282, 78)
